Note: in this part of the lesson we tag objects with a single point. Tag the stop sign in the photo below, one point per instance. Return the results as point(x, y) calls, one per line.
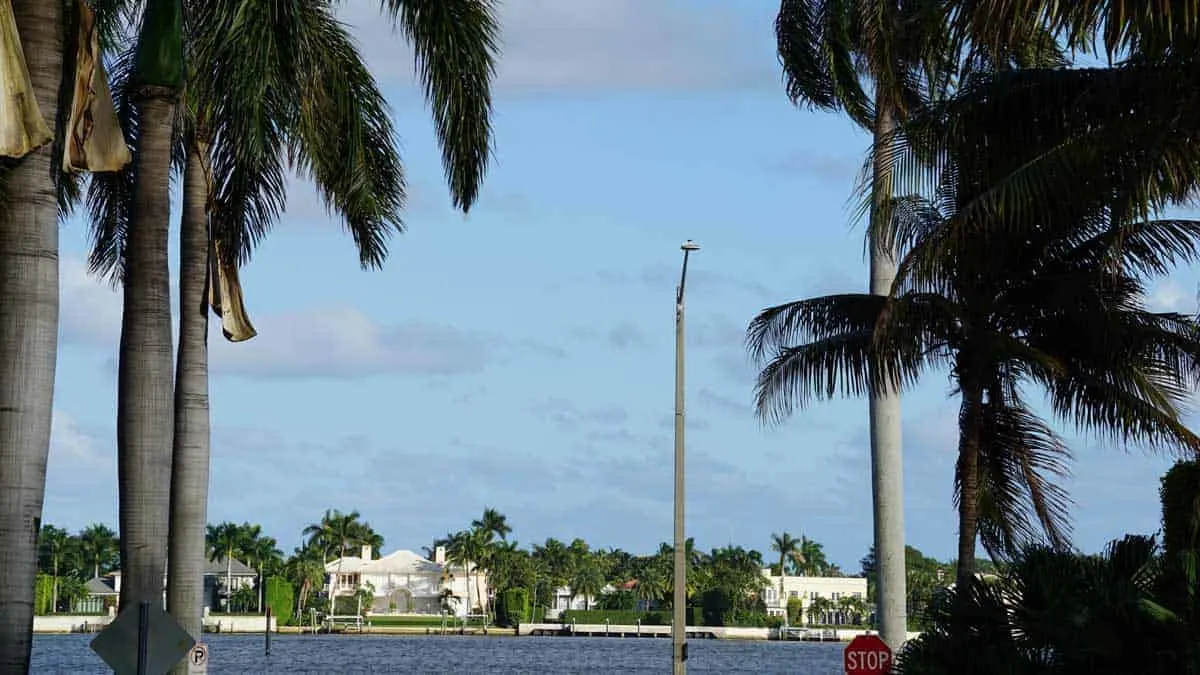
point(867, 655)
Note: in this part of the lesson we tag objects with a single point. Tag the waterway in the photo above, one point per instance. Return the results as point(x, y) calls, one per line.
point(243, 654)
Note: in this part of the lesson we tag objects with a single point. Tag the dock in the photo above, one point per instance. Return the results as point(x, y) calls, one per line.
point(616, 630)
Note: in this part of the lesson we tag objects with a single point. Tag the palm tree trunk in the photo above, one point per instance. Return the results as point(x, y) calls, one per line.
point(54, 589)
point(887, 465)
point(970, 419)
point(190, 457)
point(145, 411)
point(28, 339)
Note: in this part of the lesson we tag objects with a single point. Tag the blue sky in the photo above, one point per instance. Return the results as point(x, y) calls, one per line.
point(521, 357)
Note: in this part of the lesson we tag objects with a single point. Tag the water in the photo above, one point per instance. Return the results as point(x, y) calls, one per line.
point(238, 654)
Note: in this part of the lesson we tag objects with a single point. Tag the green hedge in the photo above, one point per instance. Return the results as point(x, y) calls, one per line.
point(281, 598)
point(622, 617)
point(512, 607)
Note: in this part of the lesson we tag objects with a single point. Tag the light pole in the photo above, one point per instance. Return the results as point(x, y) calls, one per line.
point(679, 603)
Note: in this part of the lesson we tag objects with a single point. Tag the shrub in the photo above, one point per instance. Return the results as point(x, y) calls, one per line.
point(43, 594)
point(281, 598)
point(795, 611)
point(512, 607)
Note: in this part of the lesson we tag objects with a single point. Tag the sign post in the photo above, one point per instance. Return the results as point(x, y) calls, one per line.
point(197, 659)
point(867, 655)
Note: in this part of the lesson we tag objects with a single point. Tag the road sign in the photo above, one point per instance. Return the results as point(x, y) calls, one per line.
point(867, 655)
point(166, 641)
point(197, 659)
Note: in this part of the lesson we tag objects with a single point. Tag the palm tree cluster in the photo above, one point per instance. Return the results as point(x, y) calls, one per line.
point(1018, 206)
point(230, 97)
point(246, 543)
point(70, 560)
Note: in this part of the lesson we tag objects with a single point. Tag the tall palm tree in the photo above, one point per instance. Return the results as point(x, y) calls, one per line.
point(787, 547)
point(226, 540)
point(1058, 308)
point(262, 554)
point(460, 550)
point(28, 322)
point(248, 115)
point(146, 358)
point(881, 61)
point(832, 54)
point(54, 541)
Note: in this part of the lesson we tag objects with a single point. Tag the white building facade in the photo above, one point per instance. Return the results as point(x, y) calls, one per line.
point(809, 589)
point(403, 582)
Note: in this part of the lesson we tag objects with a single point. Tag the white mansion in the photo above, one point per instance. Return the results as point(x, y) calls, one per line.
point(403, 582)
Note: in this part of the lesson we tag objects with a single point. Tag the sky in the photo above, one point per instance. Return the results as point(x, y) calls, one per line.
point(521, 357)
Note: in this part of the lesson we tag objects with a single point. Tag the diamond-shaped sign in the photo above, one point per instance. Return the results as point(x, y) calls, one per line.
point(166, 641)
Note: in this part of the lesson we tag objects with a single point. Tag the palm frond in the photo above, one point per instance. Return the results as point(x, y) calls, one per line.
point(816, 44)
point(1021, 464)
point(345, 142)
point(110, 195)
point(457, 44)
point(813, 319)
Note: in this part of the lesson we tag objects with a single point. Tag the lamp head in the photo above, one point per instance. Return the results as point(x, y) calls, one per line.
point(690, 246)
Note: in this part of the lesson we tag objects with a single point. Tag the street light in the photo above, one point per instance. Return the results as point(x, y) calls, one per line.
point(679, 603)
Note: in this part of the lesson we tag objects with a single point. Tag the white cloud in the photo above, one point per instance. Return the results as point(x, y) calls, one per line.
point(344, 342)
point(335, 341)
point(585, 45)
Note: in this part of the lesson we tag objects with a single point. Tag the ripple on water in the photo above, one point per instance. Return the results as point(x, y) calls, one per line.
point(238, 654)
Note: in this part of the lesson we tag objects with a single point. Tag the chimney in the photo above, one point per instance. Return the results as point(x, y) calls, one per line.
point(439, 555)
point(366, 552)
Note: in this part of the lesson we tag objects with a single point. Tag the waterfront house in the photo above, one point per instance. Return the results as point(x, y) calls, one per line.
point(100, 595)
point(565, 599)
point(809, 589)
point(215, 592)
point(403, 582)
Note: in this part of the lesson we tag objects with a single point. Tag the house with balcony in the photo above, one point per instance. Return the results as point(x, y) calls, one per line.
point(827, 593)
point(403, 582)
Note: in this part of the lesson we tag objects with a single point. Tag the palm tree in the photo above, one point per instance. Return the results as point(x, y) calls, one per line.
point(787, 547)
point(811, 558)
point(225, 541)
point(460, 550)
point(236, 140)
point(33, 189)
point(587, 581)
point(494, 523)
point(262, 554)
point(54, 541)
point(145, 370)
point(337, 534)
point(830, 51)
point(306, 571)
point(98, 546)
point(1059, 308)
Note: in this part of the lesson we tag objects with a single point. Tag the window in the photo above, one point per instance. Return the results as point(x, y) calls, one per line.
point(836, 596)
point(813, 595)
point(793, 594)
point(858, 595)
